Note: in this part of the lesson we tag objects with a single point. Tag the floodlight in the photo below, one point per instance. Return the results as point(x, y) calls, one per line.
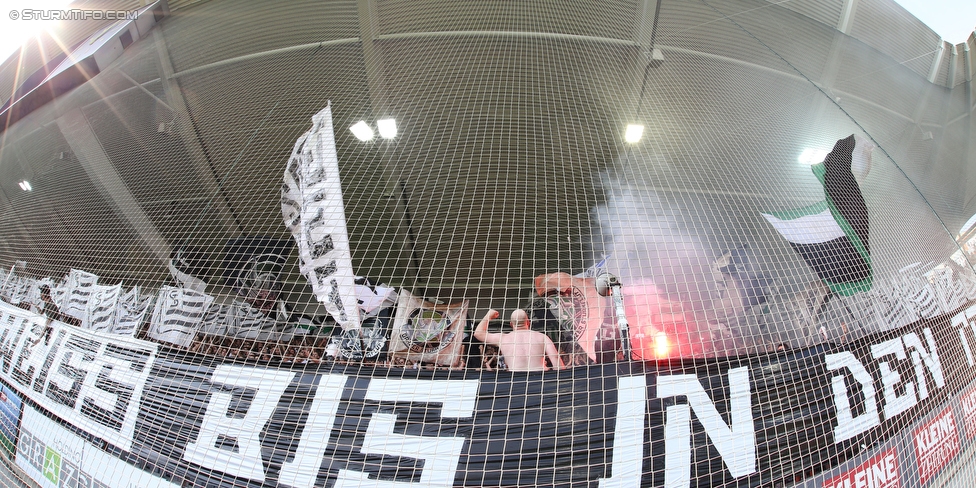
point(387, 128)
point(812, 156)
point(362, 131)
point(633, 133)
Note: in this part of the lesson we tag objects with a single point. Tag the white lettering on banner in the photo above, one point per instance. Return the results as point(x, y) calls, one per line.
point(930, 359)
point(75, 362)
point(96, 382)
point(890, 377)
point(894, 404)
point(12, 329)
point(935, 433)
point(936, 443)
point(440, 454)
point(103, 398)
point(677, 447)
point(735, 443)
point(91, 380)
point(880, 471)
point(961, 321)
point(230, 443)
point(968, 402)
point(302, 471)
point(966, 322)
point(847, 425)
point(628, 434)
point(33, 355)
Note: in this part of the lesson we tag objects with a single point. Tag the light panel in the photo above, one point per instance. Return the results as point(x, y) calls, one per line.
point(633, 133)
point(362, 131)
point(387, 128)
point(812, 156)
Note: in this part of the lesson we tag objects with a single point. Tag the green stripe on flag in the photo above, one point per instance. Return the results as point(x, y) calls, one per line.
point(849, 289)
point(795, 213)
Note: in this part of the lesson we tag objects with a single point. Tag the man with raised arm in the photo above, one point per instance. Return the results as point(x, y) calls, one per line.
point(523, 349)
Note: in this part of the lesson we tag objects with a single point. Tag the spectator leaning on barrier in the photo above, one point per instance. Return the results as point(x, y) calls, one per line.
point(523, 349)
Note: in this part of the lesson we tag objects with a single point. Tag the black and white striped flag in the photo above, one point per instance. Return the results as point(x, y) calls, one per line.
point(34, 294)
point(59, 291)
point(101, 311)
point(925, 300)
point(78, 288)
point(188, 267)
point(215, 321)
point(247, 322)
point(965, 284)
point(132, 311)
point(945, 289)
point(130, 297)
point(16, 289)
point(892, 308)
point(178, 315)
point(832, 235)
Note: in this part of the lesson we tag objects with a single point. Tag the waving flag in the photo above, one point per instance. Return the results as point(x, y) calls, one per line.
point(8, 285)
point(312, 208)
point(188, 266)
point(373, 298)
point(944, 286)
point(59, 290)
point(591, 315)
point(926, 301)
point(247, 322)
point(79, 287)
point(965, 285)
point(253, 266)
point(427, 332)
point(100, 312)
point(891, 309)
point(178, 315)
point(832, 235)
point(214, 321)
point(33, 294)
point(132, 311)
point(17, 289)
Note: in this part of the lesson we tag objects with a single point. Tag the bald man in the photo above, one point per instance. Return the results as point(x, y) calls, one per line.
point(523, 349)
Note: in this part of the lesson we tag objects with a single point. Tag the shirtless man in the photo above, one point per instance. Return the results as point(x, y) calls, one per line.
point(523, 349)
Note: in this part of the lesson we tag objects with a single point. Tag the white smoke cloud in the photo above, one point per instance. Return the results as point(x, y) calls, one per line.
point(668, 273)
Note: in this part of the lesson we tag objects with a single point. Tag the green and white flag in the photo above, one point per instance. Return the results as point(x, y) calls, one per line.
point(832, 235)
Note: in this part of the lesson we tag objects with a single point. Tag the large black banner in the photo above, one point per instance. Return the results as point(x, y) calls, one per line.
point(193, 420)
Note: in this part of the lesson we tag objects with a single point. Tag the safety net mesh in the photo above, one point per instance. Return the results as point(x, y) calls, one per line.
point(488, 243)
